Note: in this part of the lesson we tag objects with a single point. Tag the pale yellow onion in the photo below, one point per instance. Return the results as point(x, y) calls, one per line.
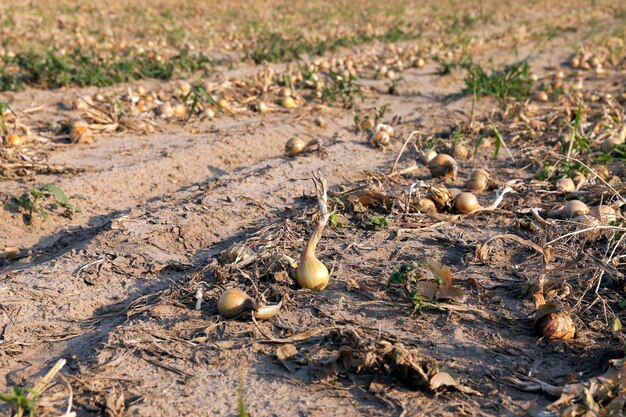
point(294, 146)
point(573, 208)
point(443, 166)
point(235, 302)
point(565, 185)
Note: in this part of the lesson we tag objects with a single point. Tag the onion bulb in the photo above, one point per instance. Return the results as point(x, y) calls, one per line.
point(565, 185)
point(237, 252)
point(165, 110)
point(553, 323)
point(478, 180)
point(426, 205)
point(223, 104)
point(13, 139)
point(381, 139)
point(81, 133)
point(179, 110)
point(289, 103)
point(541, 96)
point(466, 203)
point(235, 302)
point(459, 151)
point(311, 272)
point(443, 166)
point(294, 146)
point(573, 208)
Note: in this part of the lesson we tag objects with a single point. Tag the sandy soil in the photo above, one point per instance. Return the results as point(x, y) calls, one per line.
point(111, 290)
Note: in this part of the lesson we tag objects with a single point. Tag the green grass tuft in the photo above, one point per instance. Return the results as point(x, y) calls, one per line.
point(81, 67)
point(512, 81)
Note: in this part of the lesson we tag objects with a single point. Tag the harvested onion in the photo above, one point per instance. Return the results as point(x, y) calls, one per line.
point(466, 203)
point(443, 166)
point(381, 139)
point(311, 272)
point(565, 185)
point(426, 205)
point(553, 323)
point(294, 146)
point(13, 139)
point(237, 252)
point(573, 208)
point(289, 103)
point(235, 302)
point(459, 151)
point(478, 180)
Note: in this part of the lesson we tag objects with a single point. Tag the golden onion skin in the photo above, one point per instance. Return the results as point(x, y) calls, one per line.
point(443, 165)
point(294, 146)
point(312, 274)
point(555, 326)
point(235, 302)
point(466, 203)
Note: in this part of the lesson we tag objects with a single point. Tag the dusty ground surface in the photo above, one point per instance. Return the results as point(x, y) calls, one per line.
point(112, 289)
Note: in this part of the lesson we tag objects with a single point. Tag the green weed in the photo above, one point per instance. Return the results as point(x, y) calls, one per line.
point(20, 399)
point(275, 47)
point(344, 90)
point(404, 274)
point(512, 81)
point(378, 222)
point(575, 137)
point(4, 108)
point(197, 93)
point(33, 201)
point(407, 276)
point(84, 68)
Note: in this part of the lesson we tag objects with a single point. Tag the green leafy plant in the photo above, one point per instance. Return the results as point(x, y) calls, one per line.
point(378, 222)
point(4, 108)
point(197, 93)
point(575, 137)
point(24, 400)
point(404, 274)
point(419, 303)
point(85, 68)
point(378, 116)
point(241, 405)
point(275, 47)
point(340, 89)
point(335, 221)
point(512, 81)
point(32, 202)
point(407, 275)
